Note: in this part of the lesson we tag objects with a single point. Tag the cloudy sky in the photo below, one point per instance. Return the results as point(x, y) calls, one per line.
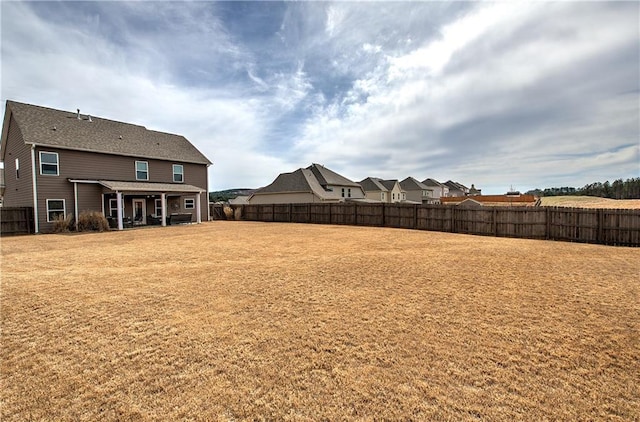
point(529, 94)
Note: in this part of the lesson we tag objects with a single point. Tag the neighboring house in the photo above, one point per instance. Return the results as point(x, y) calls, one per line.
point(374, 190)
point(473, 191)
point(377, 189)
point(456, 189)
point(491, 200)
point(439, 189)
point(63, 163)
point(315, 183)
point(417, 191)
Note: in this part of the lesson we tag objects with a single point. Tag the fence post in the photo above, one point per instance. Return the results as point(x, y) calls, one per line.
point(453, 220)
point(547, 216)
point(355, 214)
point(290, 205)
point(383, 207)
point(495, 221)
point(600, 223)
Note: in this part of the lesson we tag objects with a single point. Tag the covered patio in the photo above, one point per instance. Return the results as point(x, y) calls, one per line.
point(128, 204)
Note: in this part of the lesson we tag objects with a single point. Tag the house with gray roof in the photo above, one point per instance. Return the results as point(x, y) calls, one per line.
point(315, 183)
point(418, 192)
point(62, 163)
point(439, 189)
point(377, 189)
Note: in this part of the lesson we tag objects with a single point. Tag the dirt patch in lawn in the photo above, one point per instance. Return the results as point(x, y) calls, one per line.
point(589, 202)
point(241, 320)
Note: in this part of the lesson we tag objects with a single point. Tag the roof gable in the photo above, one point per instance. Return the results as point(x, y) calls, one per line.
point(373, 184)
point(412, 184)
point(61, 129)
point(328, 177)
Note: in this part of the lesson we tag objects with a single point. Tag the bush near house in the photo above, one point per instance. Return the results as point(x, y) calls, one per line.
point(92, 221)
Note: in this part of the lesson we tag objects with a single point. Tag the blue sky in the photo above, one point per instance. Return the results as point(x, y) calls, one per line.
point(522, 94)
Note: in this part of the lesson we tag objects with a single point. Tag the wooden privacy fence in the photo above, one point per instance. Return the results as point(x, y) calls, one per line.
point(603, 226)
point(16, 220)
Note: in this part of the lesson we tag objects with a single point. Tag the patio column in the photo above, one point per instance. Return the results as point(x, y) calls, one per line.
point(75, 203)
point(163, 213)
point(199, 216)
point(119, 202)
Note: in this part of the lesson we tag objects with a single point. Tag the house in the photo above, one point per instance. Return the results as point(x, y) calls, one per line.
point(1, 185)
point(417, 191)
point(439, 189)
point(456, 189)
point(315, 183)
point(380, 190)
point(63, 163)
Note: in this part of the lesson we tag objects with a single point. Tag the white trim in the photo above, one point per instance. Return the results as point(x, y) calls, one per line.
point(57, 163)
point(198, 211)
point(173, 169)
point(193, 204)
point(75, 207)
point(136, 169)
point(64, 208)
point(120, 211)
point(163, 197)
point(143, 201)
point(35, 190)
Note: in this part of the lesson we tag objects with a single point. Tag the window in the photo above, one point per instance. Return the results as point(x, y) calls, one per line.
point(189, 203)
point(158, 207)
point(55, 209)
point(393, 196)
point(49, 163)
point(343, 192)
point(142, 170)
point(113, 208)
point(349, 192)
point(178, 173)
point(382, 194)
point(17, 168)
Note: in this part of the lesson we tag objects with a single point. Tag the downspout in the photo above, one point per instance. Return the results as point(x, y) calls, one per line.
point(75, 202)
point(36, 223)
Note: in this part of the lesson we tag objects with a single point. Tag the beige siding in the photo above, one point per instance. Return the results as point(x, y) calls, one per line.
point(376, 195)
point(19, 191)
point(284, 198)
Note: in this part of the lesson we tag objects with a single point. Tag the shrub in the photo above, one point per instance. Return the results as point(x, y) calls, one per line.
point(228, 212)
point(92, 221)
point(62, 224)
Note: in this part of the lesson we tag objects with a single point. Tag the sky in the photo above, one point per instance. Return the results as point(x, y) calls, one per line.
point(501, 95)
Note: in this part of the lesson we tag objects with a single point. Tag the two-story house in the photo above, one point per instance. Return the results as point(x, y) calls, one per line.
point(63, 163)
point(388, 191)
point(417, 191)
point(439, 189)
point(315, 183)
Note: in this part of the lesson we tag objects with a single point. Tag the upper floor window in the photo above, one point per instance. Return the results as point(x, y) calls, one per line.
point(17, 168)
point(349, 192)
point(343, 192)
point(382, 195)
point(142, 170)
point(178, 173)
point(49, 163)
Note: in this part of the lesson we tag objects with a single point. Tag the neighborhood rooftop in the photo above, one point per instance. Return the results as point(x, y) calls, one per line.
point(68, 130)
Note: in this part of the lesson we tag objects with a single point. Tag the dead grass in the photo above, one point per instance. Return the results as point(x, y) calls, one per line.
point(589, 202)
point(240, 320)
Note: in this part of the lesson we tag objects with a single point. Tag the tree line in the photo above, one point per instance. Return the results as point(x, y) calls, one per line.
point(619, 189)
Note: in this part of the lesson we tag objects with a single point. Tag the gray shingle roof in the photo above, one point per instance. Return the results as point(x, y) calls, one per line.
point(412, 184)
point(62, 129)
point(328, 177)
point(373, 184)
point(432, 182)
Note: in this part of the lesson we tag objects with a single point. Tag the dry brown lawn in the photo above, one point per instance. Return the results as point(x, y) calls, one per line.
point(589, 202)
point(267, 321)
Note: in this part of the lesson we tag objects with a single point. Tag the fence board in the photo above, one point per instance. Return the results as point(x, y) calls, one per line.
point(16, 220)
point(605, 226)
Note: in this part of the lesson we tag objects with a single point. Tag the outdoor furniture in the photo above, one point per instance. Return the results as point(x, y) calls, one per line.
point(153, 220)
point(179, 218)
